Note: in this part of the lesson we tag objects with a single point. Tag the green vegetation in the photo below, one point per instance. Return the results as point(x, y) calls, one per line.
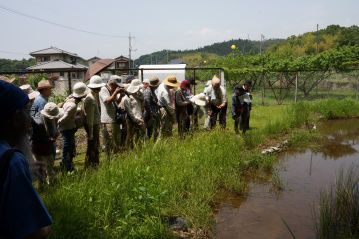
point(16, 65)
point(132, 195)
point(338, 215)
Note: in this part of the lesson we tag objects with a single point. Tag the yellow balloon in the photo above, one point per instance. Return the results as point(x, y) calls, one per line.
point(233, 47)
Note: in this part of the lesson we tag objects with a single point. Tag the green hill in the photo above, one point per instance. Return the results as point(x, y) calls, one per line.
point(207, 53)
point(305, 44)
point(312, 42)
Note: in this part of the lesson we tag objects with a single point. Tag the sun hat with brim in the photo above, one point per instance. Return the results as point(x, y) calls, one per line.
point(7, 79)
point(199, 99)
point(216, 80)
point(134, 86)
point(95, 82)
point(12, 98)
point(146, 81)
point(29, 91)
point(171, 81)
point(154, 81)
point(52, 111)
point(44, 84)
point(80, 90)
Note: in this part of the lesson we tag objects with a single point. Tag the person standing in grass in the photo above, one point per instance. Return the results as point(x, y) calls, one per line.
point(45, 89)
point(241, 106)
point(183, 108)
point(152, 109)
point(133, 105)
point(92, 122)
point(217, 106)
point(44, 134)
point(108, 99)
point(67, 124)
point(166, 104)
point(22, 212)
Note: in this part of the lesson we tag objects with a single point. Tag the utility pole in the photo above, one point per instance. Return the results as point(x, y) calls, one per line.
point(317, 38)
point(261, 45)
point(130, 47)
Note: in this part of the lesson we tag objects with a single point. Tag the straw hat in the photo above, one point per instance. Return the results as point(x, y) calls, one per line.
point(154, 81)
point(51, 111)
point(80, 90)
point(134, 86)
point(216, 80)
point(171, 81)
point(95, 82)
point(29, 91)
point(44, 84)
point(7, 79)
point(200, 99)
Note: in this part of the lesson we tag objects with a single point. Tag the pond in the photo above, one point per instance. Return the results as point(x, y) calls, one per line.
point(267, 213)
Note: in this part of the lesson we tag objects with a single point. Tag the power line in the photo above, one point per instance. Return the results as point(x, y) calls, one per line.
point(58, 24)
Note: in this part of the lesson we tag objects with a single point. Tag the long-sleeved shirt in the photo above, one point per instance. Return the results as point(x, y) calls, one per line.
point(38, 105)
point(133, 107)
point(165, 99)
point(91, 111)
point(217, 96)
point(182, 102)
point(108, 110)
point(67, 121)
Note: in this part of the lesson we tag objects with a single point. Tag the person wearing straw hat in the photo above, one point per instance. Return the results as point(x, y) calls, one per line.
point(166, 104)
point(108, 97)
point(184, 108)
point(67, 124)
point(151, 113)
point(31, 93)
point(22, 212)
point(92, 121)
point(217, 103)
point(133, 105)
point(45, 89)
point(44, 134)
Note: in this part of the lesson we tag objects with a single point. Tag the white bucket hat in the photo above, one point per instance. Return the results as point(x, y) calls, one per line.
point(80, 90)
point(51, 111)
point(134, 86)
point(29, 91)
point(95, 82)
point(199, 99)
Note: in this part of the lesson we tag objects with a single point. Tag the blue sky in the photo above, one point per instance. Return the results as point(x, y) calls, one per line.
point(160, 24)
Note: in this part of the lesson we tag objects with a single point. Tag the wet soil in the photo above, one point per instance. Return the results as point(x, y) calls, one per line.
point(268, 213)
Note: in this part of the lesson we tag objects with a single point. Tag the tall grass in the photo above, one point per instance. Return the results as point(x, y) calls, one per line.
point(338, 215)
point(130, 196)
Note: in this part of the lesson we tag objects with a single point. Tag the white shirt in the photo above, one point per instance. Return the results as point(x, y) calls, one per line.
point(217, 96)
point(108, 110)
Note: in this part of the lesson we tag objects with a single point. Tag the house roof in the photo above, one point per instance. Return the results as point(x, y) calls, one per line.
point(52, 50)
point(122, 58)
point(97, 67)
point(94, 58)
point(56, 65)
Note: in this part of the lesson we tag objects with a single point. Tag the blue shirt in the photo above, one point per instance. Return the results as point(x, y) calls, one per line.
point(38, 105)
point(22, 211)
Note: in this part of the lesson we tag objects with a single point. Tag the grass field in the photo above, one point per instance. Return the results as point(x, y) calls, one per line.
point(133, 195)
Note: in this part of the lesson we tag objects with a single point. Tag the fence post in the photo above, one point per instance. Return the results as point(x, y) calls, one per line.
point(296, 88)
point(263, 88)
point(69, 81)
point(194, 79)
point(357, 88)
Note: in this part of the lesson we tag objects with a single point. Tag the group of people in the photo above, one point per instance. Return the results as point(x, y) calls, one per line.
point(126, 114)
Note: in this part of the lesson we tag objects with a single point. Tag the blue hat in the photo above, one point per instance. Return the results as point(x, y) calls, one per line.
point(12, 98)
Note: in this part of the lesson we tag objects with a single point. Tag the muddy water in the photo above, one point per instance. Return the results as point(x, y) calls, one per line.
point(264, 213)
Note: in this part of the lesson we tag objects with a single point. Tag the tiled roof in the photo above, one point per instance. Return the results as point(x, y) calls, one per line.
point(56, 65)
point(52, 50)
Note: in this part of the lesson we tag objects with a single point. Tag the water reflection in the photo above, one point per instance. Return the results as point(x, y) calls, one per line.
point(264, 214)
